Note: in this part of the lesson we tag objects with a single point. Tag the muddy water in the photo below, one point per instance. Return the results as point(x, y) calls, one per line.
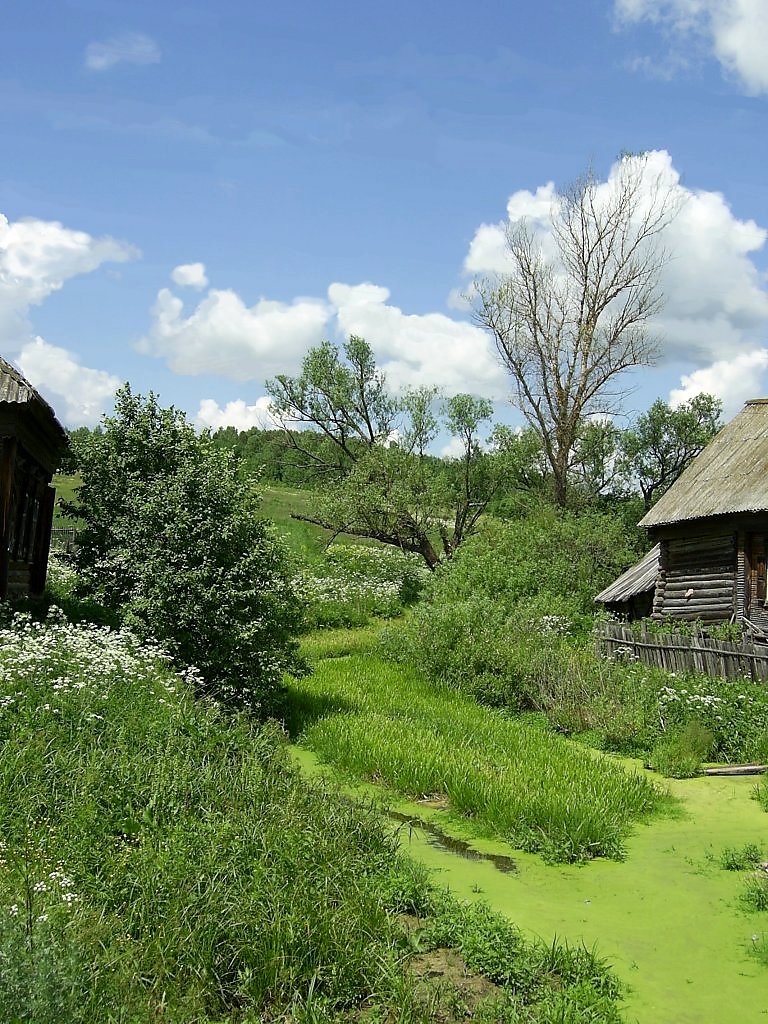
point(667, 918)
point(440, 840)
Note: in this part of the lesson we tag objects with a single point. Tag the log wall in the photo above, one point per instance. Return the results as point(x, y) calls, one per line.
point(697, 578)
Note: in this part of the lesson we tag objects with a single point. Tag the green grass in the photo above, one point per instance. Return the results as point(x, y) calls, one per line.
point(66, 487)
point(161, 860)
point(382, 721)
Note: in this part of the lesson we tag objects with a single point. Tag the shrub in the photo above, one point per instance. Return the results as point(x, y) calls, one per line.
point(173, 543)
point(354, 582)
point(504, 587)
point(679, 753)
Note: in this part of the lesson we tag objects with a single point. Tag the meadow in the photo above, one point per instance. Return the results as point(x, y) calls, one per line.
point(129, 796)
point(163, 860)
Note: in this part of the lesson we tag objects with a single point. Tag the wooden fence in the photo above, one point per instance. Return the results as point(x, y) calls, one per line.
point(677, 653)
point(63, 538)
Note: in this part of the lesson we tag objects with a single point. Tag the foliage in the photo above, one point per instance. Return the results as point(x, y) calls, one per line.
point(503, 593)
point(535, 971)
point(162, 859)
point(568, 322)
point(754, 895)
point(679, 752)
point(522, 782)
point(354, 582)
point(384, 485)
point(174, 544)
point(664, 441)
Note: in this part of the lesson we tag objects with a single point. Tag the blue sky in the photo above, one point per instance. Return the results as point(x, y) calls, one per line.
point(194, 193)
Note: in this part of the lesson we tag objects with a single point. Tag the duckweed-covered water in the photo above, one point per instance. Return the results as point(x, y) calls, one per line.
point(668, 917)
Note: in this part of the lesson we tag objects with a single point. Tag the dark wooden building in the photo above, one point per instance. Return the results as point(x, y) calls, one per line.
point(31, 443)
point(631, 595)
point(712, 529)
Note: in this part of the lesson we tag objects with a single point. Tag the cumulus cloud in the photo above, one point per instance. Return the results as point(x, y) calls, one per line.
point(715, 303)
point(733, 380)
point(225, 336)
point(735, 31)
point(237, 414)
point(190, 275)
point(125, 48)
point(36, 259)
point(78, 393)
point(418, 349)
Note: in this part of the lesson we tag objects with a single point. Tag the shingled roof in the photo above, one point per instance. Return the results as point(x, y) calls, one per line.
point(26, 414)
point(638, 579)
point(730, 475)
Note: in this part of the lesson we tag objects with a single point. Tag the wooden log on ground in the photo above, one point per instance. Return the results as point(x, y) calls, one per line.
point(736, 769)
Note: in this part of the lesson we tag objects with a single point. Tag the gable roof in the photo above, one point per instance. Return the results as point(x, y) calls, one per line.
point(730, 475)
point(24, 413)
point(639, 579)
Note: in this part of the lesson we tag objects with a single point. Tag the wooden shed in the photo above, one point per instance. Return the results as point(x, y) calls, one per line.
point(712, 529)
point(31, 443)
point(631, 595)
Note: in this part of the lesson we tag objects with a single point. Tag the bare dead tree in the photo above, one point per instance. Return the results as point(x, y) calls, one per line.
point(566, 328)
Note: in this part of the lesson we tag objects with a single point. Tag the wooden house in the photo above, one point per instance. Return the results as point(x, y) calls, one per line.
point(31, 443)
point(712, 530)
point(631, 595)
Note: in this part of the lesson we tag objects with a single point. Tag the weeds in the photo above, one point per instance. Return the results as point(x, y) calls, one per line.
point(524, 783)
point(159, 858)
point(754, 895)
point(743, 858)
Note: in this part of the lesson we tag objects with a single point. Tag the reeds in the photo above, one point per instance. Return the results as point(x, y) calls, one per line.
point(521, 781)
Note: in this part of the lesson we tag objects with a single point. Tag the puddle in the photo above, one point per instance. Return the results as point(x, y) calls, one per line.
point(442, 841)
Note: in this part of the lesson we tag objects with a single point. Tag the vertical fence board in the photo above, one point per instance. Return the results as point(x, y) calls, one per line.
point(675, 652)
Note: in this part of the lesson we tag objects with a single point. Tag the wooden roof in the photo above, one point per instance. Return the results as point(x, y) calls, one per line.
point(638, 579)
point(730, 475)
point(26, 414)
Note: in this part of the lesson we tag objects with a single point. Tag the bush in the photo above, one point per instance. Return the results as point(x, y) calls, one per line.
point(354, 582)
point(504, 588)
point(680, 752)
point(173, 543)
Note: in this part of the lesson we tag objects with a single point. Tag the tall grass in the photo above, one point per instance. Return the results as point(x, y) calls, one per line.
point(160, 860)
point(537, 790)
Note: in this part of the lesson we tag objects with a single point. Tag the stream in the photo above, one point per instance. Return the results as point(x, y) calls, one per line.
point(668, 918)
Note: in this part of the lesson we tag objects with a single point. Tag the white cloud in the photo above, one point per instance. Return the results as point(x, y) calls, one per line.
point(733, 380)
point(190, 275)
point(36, 259)
point(418, 349)
point(225, 336)
point(454, 449)
point(125, 48)
point(237, 414)
point(222, 335)
point(487, 250)
point(716, 301)
point(77, 393)
point(735, 31)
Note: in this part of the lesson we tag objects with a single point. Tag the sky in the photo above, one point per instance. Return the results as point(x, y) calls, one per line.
point(193, 194)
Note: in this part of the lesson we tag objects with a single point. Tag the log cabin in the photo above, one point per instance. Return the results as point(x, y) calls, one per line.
point(711, 528)
point(31, 443)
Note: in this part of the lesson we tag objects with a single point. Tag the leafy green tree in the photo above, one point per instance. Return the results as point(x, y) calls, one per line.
point(664, 441)
point(174, 543)
point(383, 482)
